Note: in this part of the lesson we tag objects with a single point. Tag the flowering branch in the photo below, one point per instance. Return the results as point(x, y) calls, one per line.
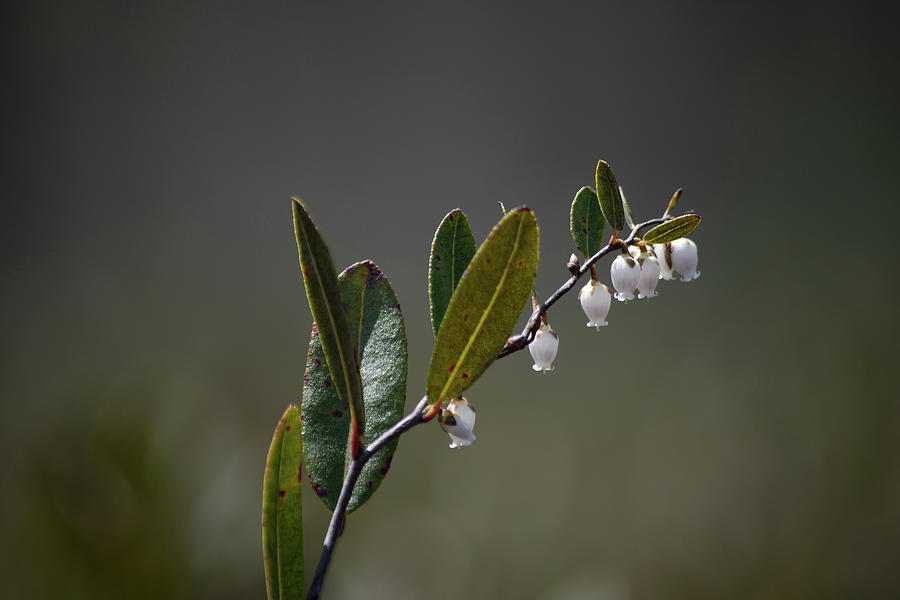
point(420, 414)
point(519, 342)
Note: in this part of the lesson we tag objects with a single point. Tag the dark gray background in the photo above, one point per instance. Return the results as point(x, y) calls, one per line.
point(737, 437)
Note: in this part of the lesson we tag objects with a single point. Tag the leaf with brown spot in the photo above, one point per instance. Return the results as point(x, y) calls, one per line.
point(327, 307)
point(282, 510)
point(379, 335)
point(586, 222)
point(610, 197)
point(672, 230)
point(451, 250)
point(493, 293)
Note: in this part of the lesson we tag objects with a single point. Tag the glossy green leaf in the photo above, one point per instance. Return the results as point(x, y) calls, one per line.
point(282, 510)
point(485, 306)
point(672, 230)
point(379, 333)
point(610, 197)
point(586, 222)
point(629, 218)
point(452, 249)
point(327, 309)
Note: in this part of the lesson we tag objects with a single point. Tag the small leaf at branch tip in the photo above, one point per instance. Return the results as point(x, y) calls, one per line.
point(586, 222)
point(629, 218)
point(673, 201)
point(451, 250)
point(672, 230)
point(609, 196)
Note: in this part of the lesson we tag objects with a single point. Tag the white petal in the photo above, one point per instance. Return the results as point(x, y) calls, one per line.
point(458, 420)
point(665, 261)
point(595, 302)
point(625, 273)
point(543, 349)
point(684, 259)
point(649, 278)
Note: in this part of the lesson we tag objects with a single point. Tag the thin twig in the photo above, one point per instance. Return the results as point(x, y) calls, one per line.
point(417, 415)
point(336, 526)
point(519, 342)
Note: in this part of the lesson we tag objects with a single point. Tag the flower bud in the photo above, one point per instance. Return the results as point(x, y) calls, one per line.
point(649, 278)
point(624, 272)
point(684, 259)
point(595, 300)
point(663, 254)
point(573, 265)
point(458, 420)
point(543, 348)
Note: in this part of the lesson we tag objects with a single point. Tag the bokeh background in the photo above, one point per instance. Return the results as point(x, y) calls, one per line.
point(738, 437)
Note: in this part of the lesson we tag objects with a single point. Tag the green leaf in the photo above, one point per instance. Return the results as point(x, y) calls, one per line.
point(485, 306)
point(610, 197)
point(629, 218)
point(326, 305)
point(672, 230)
point(452, 249)
point(586, 222)
point(673, 202)
point(377, 327)
point(282, 510)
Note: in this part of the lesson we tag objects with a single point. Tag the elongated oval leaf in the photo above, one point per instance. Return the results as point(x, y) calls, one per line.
point(452, 249)
point(377, 327)
point(327, 309)
point(629, 218)
point(282, 510)
point(485, 306)
point(672, 230)
point(586, 222)
point(610, 197)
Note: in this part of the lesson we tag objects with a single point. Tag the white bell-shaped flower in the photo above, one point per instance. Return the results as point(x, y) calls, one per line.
point(595, 300)
point(634, 252)
point(649, 278)
point(663, 254)
point(458, 420)
point(543, 348)
point(625, 273)
point(684, 259)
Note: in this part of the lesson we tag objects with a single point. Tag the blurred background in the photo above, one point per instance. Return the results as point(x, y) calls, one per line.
point(737, 437)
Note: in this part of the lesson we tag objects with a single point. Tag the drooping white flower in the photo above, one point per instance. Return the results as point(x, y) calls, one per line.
point(458, 420)
point(684, 259)
point(663, 254)
point(634, 252)
point(595, 300)
point(543, 348)
point(649, 278)
point(624, 272)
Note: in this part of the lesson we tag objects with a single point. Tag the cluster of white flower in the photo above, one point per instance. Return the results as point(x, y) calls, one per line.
point(640, 269)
